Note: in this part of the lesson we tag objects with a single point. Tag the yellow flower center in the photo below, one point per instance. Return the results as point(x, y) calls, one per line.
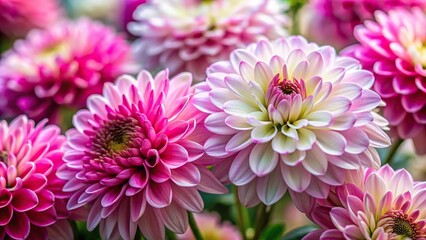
point(417, 52)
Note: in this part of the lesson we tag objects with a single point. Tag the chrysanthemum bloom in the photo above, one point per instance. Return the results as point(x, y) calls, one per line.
point(133, 157)
point(31, 197)
point(332, 22)
point(189, 35)
point(394, 49)
point(18, 17)
point(385, 204)
point(60, 67)
point(293, 115)
point(211, 228)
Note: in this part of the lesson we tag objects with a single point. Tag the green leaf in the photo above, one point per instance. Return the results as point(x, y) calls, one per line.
point(273, 232)
point(300, 232)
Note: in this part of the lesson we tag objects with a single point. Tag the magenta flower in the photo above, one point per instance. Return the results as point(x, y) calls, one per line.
point(59, 68)
point(393, 48)
point(31, 197)
point(211, 228)
point(18, 17)
point(332, 22)
point(382, 204)
point(134, 158)
point(290, 114)
point(189, 35)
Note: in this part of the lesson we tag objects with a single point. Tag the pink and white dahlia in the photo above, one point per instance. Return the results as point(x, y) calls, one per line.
point(332, 22)
point(291, 114)
point(18, 17)
point(211, 228)
point(189, 35)
point(394, 49)
point(133, 157)
point(31, 197)
point(60, 67)
point(384, 204)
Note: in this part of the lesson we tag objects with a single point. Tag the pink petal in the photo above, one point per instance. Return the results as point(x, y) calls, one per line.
point(210, 183)
point(296, 177)
point(158, 195)
point(175, 218)
point(24, 200)
point(186, 176)
point(151, 226)
point(43, 219)
point(240, 172)
point(175, 156)
point(263, 159)
point(248, 194)
point(19, 226)
point(114, 195)
point(188, 198)
point(137, 206)
point(271, 188)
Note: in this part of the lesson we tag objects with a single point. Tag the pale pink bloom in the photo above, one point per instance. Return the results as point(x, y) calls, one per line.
point(289, 114)
point(134, 157)
point(60, 67)
point(31, 197)
point(18, 17)
point(394, 49)
point(211, 228)
point(380, 204)
point(333, 21)
point(189, 35)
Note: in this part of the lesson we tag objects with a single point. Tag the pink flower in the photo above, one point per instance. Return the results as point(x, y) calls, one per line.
point(382, 204)
point(393, 48)
point(31, 197)
point(18, 17)
point(211, 228)
point(290, 114)
point(59, 68)
point(134, 158)
point(189, 35)
point(332, 22)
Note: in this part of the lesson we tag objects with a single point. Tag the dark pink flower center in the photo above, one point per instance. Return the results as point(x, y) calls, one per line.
point(3, 156)
point(399, 224)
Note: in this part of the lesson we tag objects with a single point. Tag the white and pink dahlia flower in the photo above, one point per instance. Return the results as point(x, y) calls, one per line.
point(60, 67)
point(31, 197)
point(189, 35)
point(394, 49)
point(18, 17)
point(134, 157)
point(289, 114)
point(382, 204)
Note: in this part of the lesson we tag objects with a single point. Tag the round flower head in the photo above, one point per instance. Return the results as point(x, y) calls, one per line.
point(59, 67)
point(211, 228)
point(133, 157)
point(291, 114)
point(189, 35)
point(18, 17)
point(31, 197)
point(332, 22)
point(382, 204)
point(394, 49)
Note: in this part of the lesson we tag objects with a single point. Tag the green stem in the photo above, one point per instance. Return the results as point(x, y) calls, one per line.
point(170, 235)
point(392, 152)
point(263, 214)
point(194, 227)
point(241, 212)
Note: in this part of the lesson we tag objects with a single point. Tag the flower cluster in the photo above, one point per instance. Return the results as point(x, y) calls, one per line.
point(240, 106)
point(189, 35)
point(60, 67)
